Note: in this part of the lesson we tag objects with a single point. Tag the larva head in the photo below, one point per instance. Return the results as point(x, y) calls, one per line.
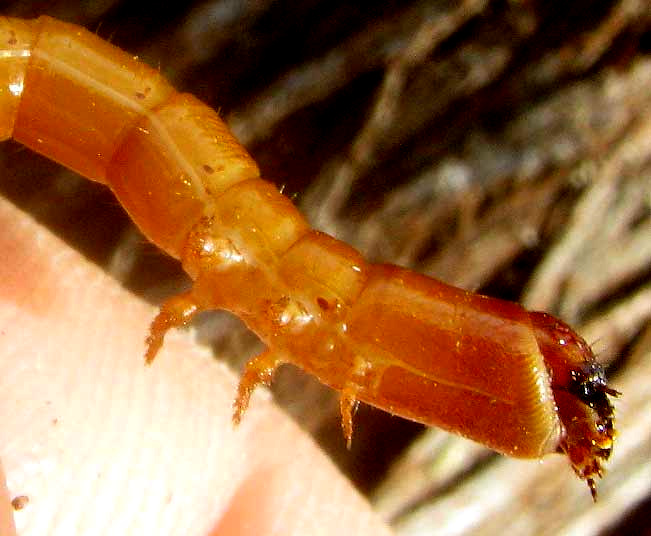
point(581, 394)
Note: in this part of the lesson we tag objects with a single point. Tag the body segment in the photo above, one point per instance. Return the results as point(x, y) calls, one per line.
point(522, 383)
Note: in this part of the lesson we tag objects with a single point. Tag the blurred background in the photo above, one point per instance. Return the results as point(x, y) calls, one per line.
point(502, 146)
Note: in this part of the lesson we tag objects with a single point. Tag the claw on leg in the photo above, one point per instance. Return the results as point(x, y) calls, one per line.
point(175, 312)
point(258, 371)
point(347, 406)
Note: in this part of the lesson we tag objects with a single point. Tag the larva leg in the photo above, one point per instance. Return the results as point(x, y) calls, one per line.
point(258, 371)
point(347, 406)
point(176, 312)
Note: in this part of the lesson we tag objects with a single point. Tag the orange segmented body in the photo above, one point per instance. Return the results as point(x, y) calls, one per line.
point(522, 383)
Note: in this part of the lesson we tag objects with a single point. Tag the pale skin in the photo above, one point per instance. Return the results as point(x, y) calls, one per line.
point(101, 444)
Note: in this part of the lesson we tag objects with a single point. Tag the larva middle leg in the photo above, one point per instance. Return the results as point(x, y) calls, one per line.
point(258, 371)
point(176, 312)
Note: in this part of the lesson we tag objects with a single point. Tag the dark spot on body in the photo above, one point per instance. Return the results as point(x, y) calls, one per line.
point(142, 94)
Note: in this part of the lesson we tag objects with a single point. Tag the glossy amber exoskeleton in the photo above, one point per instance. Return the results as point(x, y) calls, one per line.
point(522, 383)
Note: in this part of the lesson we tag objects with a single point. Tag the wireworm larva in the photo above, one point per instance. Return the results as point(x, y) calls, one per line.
point(521, 382)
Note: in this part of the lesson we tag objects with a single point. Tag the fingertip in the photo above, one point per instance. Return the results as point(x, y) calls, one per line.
point(105, 424)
